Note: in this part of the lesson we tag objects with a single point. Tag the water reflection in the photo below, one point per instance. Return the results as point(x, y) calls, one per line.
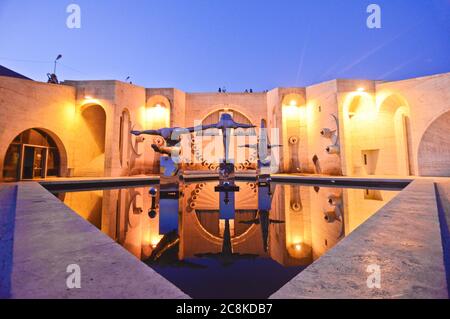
point(272, 233)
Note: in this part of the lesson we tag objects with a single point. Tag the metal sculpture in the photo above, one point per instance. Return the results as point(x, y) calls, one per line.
point(170, 171)
point(334, 136)
point(263, 150)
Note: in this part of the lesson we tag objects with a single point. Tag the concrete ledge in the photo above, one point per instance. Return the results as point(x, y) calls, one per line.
point(48, 236)
point(97, 182)
point(198, 176)
point(343, 181)
point(403, 238)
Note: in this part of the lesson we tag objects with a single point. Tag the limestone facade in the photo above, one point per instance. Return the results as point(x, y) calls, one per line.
point(368, 127)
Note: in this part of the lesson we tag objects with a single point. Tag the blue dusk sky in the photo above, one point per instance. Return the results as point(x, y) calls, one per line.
point(200, 45)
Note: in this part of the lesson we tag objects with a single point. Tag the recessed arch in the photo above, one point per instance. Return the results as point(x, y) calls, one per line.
point(293, 99)
point(294, 132)
point(158, 112)
point(360, 104)
point(91, 141)
point(395, 108)
point(376, 132)
point(158, 100)
point(214, 116)
point(35, 153)
point(434, 148)
point(389, 103)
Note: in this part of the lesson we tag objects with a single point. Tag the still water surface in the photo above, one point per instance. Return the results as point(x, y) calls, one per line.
point(246, 247)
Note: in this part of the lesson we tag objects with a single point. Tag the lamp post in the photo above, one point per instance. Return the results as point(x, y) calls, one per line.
point(56, 60)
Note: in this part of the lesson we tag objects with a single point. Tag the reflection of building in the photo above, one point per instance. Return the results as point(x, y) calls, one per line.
point(311, 224)
point(81, 128)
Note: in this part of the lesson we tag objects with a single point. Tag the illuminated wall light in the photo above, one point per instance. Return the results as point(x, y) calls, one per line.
point(157, 116)
point(291, 111)
point(361, 89)
point(298, 247)
point(293, 103)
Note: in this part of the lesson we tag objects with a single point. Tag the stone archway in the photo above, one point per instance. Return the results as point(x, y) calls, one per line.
point(91, 140)
point(434, 149)
point(294, 133)
point(35, 153)
point(395, 109)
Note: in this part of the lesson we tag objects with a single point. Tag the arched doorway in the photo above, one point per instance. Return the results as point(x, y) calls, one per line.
point(90, 145)
point(376, 133)
point(158, 112)
point(295, 133)
point(395, 109)
point(33, 154)
point(359, 119)
point(434, 148)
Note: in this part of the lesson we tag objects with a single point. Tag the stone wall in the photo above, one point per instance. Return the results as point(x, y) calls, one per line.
point(385, 128)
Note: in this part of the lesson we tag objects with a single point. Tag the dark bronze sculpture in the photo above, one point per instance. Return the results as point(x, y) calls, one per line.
point(263, 148)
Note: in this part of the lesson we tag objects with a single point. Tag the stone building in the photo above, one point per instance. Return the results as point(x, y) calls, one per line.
point(339, 127)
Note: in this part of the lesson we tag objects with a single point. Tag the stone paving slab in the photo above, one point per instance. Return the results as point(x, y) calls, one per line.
point(49, 236)
point(403, 238)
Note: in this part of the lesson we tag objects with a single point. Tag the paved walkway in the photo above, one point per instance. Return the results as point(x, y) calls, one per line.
point(48, 237)
point(403, 239)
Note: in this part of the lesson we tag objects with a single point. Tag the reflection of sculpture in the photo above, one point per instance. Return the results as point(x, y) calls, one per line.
point(263, 217)
point(169, 170)
point(226, 186)
point(335, 214)
point(226, 257)
point(263, 148)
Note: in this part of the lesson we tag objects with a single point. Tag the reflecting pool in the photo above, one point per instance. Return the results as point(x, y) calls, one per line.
point(246, 244)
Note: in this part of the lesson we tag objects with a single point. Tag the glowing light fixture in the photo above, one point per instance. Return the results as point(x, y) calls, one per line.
point(361, 89)
point(298, 247)
point(157, 115)
point(293, 103)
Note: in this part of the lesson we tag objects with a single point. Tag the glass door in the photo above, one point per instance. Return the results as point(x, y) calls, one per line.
point(34, 162)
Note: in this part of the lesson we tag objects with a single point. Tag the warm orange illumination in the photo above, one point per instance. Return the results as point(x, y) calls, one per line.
point(157, 116)
point(291, 111)
point(295, 112)
point(89, 100)
point(155, 241)
point(298, 247)
point(361, 89)
point(293, 103)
